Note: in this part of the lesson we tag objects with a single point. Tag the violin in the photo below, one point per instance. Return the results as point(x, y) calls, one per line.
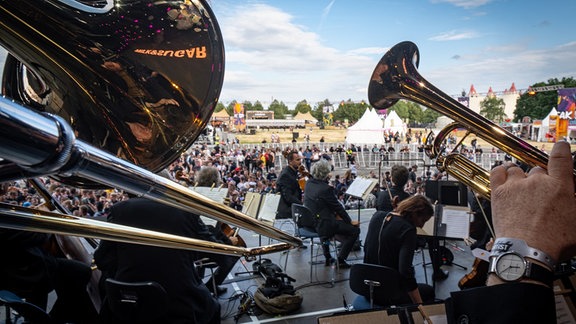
point(476, 277)
point(304, 175)
point(230, 232)
point(479, 274)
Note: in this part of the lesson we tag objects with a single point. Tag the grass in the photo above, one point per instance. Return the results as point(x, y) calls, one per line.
point(338, 135)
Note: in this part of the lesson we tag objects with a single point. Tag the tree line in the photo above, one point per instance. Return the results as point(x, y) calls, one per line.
point(534, 105)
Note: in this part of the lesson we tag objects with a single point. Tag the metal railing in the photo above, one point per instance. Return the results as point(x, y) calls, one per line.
point(364, 159)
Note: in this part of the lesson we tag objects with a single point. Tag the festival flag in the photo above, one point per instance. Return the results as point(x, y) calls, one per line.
point(239, 117)
point(566, 111)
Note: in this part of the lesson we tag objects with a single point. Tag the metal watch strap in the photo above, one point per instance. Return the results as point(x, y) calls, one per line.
point(506, 244)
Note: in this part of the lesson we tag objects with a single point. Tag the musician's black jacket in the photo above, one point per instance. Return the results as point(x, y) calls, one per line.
point(31, 271)
point(320, 198)
point(290, 192)
point(383, 202)
point(189, 299)
point(502, 304)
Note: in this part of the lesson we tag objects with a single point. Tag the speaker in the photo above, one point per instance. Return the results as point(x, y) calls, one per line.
point(447, 192)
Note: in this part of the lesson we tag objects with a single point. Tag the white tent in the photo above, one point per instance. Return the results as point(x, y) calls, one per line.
point(307, 117)
point(539, 131)
point(393, 123)
point(367, 130)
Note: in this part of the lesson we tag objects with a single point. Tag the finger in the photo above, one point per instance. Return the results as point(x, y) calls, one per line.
point(515, 171)
point(497, 177)
point(536, 170)
point(560, 165)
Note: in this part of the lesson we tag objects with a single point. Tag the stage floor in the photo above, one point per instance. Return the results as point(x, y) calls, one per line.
point(329, 289)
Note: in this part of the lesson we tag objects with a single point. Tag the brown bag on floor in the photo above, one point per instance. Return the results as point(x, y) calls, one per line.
point(282, 304)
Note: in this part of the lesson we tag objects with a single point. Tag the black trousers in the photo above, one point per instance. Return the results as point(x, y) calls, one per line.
point(225, 265)
point(345, 233)
point(69, 279)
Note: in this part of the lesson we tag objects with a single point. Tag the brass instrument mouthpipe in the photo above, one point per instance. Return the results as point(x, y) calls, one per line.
point(21, 218)
point(43, 144)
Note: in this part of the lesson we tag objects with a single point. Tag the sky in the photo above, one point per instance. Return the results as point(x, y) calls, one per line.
point(291, 50)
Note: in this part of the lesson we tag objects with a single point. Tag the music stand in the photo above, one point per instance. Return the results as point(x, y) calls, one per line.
point(360, 188)
point(216, 194)
point(261, 206)
point(452, 222)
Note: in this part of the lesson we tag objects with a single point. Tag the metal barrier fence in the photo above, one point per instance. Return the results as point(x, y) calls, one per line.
point(367, 160)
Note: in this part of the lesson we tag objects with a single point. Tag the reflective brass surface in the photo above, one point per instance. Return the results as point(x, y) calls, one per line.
point(396, 77)
point(138, 78)
point(107, 93)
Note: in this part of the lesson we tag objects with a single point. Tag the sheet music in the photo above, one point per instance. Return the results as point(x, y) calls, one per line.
point(269, 207)
point(361, 187)
point(427, 229)
point(457, 220)
point(216, 194)
point(251, 204)
point(564, 314)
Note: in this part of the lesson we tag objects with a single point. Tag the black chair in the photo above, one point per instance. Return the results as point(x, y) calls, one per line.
point(29, 312)
point(304, 228)
point(136, 302)
point(380, 285)
point(201, 266)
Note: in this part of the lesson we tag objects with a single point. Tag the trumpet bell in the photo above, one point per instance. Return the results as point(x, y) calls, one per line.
point(391, 73)
point(139, 79)
point(396, 77)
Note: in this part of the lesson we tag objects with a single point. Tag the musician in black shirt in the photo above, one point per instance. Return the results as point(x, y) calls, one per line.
point(394, 242)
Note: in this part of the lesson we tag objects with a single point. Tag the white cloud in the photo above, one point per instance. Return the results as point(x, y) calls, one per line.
point(273, 57)
point(499, 70)
point(466, 4)
point(454, 35)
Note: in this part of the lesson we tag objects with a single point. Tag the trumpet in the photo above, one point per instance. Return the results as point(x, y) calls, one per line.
point(396, 77)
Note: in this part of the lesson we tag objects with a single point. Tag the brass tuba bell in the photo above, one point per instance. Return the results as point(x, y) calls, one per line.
point(106, 94)
point(139, 79)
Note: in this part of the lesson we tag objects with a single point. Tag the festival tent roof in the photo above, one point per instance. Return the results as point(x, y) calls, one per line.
point(394, 123)
point(544, 127)
point(546, 120)
point(307, 117)
point(367, 130)
point(221, 114)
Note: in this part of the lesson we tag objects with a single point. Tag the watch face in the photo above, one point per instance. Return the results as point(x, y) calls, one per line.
point(510, 266)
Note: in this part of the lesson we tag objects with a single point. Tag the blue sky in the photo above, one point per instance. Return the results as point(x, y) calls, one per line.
point(292, 50)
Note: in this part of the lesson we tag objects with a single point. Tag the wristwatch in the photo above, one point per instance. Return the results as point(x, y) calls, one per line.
point(510, 260)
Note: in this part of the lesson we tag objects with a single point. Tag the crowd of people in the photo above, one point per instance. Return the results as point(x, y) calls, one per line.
point(399, 199)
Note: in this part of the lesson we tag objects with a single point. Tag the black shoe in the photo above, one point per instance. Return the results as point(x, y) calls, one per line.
point(329, 262)
point(342, 264)
point(220, 290)
point(440, 275)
